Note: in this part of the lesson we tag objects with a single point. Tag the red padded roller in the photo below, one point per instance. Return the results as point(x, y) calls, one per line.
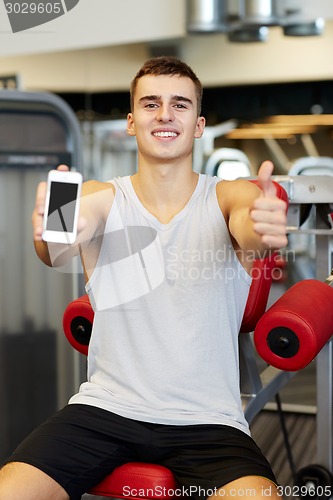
point(262, 274)
point(135, 479)
point(293, 331)
point(77, 323)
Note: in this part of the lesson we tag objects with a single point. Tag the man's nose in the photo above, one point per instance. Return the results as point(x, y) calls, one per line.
point(165, 113)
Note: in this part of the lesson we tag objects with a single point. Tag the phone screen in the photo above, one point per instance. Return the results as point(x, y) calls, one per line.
point(61, 213)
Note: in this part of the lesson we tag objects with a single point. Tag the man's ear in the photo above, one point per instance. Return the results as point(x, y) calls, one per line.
point(130, 125)
point(200, 126)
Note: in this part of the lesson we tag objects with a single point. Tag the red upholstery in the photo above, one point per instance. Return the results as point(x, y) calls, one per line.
point(77, 323)
point(262, 273)
point(293, 331)
point(136, 479)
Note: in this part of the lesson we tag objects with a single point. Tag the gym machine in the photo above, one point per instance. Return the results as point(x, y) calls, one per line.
point(37, 132)
point(288, 336)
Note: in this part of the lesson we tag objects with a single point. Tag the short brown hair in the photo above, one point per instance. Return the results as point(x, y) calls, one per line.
point(167, 65)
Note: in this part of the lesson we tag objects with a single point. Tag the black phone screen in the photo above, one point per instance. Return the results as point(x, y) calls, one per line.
point(61, 211)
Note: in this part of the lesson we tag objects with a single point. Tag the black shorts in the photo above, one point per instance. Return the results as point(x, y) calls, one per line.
point(82, 444)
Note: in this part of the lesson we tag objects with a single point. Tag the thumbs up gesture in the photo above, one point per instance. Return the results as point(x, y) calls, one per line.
point(268, 212)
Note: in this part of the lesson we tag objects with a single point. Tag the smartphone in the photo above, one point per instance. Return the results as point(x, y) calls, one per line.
point(62, 206)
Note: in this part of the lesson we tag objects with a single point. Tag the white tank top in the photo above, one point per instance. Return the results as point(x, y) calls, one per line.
point(169, 301)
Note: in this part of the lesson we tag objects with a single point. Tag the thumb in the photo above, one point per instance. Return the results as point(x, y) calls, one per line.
point(265, 179)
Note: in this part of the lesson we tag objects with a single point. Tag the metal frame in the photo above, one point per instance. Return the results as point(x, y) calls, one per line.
point(258, 387)
point(46, 102)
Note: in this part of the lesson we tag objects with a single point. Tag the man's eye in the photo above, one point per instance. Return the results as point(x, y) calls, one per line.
point(151, 105)
point(180, 106)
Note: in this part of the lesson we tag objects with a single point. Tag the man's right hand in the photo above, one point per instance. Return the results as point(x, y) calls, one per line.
point(38, 212)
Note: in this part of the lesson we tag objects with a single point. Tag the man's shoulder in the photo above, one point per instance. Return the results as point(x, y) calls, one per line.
point(94, 186)
point(236, 186)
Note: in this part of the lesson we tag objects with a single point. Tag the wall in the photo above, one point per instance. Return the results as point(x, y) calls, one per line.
point(281, 59)
point(123, 36)
point(95, 23)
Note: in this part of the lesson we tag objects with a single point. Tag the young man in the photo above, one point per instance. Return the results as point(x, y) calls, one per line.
point(167, 255)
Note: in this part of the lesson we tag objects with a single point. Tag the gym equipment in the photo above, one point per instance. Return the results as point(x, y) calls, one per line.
point(312, 165)
point(77, 325)
point(38, 131)
point(259, 387)
point(316, 191)
point(295, 329)
point(228, 164)
point(303, 243)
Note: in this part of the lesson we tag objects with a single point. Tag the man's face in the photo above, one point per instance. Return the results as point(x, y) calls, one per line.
point(164, 118)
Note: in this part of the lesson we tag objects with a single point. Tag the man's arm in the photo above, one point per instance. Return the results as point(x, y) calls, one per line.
point(256, 217)
point(95, 204)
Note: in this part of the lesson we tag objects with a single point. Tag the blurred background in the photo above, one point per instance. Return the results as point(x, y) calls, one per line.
point(267, 71)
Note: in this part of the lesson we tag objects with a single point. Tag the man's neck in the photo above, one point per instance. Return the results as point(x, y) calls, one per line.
point(164, 189)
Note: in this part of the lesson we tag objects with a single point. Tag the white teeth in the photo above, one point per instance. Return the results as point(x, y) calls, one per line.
point(165, 134)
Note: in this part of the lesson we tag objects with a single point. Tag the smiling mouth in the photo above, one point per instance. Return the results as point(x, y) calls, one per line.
point(165, 134)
